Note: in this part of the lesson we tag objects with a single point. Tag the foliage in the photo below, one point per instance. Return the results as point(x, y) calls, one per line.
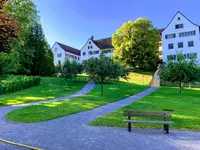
point(71, 69)
point(58, 67)
point(136, 44)
point(8, 63)
point(185, 109)
point(8, 29)
point(100, 69)
point(36, 57)
point(181, 71)
point(17, 83)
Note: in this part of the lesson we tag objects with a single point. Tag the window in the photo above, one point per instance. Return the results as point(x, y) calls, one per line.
point(171, 46)
point(90, 52)
point(75, 57)
point(84, 53)
point(171, 57)
point(190, 43)
point(193, 55)
point(189, 33)
point(78, 58)
point(88, 47)
point(55, 49)
point(178, 26)
point(180, 45)
point(89, 42)
point(59, 55)
point(170, 36)
point(96, 52)
point(107, 51)
point(179, 18)
point(91, 47)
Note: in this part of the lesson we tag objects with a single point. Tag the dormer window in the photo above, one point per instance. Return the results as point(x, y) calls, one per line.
point(179, 18)
point(178, 26)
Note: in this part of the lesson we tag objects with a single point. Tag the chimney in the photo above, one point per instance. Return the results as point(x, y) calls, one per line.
point(92, 37)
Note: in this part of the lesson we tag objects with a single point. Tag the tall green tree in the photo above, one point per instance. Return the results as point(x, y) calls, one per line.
point(136, 44)
point(180, 72)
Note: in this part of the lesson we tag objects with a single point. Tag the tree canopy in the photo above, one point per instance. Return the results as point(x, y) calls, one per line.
point(180, 72)
point(136, 44)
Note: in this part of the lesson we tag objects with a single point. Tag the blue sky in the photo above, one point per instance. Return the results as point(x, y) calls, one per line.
point(72, 22)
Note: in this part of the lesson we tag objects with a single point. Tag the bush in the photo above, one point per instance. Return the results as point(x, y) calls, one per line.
point(17, 83)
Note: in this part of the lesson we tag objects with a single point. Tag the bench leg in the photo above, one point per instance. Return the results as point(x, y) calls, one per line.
point(129, 127)
point(167, 128)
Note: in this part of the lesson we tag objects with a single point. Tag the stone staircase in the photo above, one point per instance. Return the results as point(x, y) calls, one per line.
point(155, 82)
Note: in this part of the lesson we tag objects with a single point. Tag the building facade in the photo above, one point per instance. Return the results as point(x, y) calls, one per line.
point(93, 48)
point(181, 36)
point(62, 52)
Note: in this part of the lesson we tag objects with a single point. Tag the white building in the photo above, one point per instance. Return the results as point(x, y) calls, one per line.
point(61, 52)
point(93, 48)
point(181, 36)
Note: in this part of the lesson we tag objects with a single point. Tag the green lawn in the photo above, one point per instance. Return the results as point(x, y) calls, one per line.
point(50, 87)
point(47, 111)
point(185, 109)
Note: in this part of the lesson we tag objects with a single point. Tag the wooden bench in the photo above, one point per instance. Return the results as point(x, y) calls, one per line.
point(152, 114)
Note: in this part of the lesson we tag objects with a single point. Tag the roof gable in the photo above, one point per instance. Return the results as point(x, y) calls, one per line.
point(179, 13)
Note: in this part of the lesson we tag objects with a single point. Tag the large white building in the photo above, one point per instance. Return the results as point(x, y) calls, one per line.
point(62, 52)
point(181, 36)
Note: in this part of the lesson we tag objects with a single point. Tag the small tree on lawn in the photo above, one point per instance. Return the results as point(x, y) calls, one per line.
point(100, 69)
point(181, 71)
point(67, 70)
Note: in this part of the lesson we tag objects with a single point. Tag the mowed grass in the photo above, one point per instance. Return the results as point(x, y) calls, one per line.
point(185, 109)
point(50, 87)
point(48, 111)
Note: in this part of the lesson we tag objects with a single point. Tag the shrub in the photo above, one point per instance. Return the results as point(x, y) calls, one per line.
point(17, 83)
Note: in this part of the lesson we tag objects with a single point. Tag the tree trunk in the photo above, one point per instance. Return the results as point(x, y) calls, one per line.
point(101, 87)
point(180, 88)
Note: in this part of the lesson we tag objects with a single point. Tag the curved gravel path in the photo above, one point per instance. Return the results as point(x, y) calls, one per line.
point(72, 133)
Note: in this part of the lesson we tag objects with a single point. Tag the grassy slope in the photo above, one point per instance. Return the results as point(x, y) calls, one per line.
point(49, 88)
point(93, 99)
point(185, 107)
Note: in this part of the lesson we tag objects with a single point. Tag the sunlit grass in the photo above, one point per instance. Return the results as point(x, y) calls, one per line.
point(47, 111)
point(185, 109)
point(50, 87)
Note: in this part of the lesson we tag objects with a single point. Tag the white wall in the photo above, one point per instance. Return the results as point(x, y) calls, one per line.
point(94, 48)
point(187, 26)
point(56, 49)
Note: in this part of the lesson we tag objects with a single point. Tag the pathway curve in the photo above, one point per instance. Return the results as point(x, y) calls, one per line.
point(72, 133)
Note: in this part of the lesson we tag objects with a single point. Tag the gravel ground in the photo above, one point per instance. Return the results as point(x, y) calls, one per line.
point(72, 133)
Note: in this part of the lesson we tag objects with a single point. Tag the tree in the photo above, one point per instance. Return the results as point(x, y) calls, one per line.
point(136, 44)
point(180, 72)
point(100, 69)
point(71, 69)
point(8, 29)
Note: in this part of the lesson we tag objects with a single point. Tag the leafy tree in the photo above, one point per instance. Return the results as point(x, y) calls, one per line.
point(100, 69)
point(136, 44)
point(8, 29)
point(180, 72)
point(71, 69)
point(58, 67)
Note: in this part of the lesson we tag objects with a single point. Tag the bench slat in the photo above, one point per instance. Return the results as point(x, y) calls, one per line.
point(159, 114)
point(149, 121)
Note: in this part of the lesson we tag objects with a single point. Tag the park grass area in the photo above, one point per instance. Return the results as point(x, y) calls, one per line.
point(51, 110)
point(185, 109)
point(50, 87)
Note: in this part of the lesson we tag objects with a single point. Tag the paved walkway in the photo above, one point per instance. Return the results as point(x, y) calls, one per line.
point(72, 133)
